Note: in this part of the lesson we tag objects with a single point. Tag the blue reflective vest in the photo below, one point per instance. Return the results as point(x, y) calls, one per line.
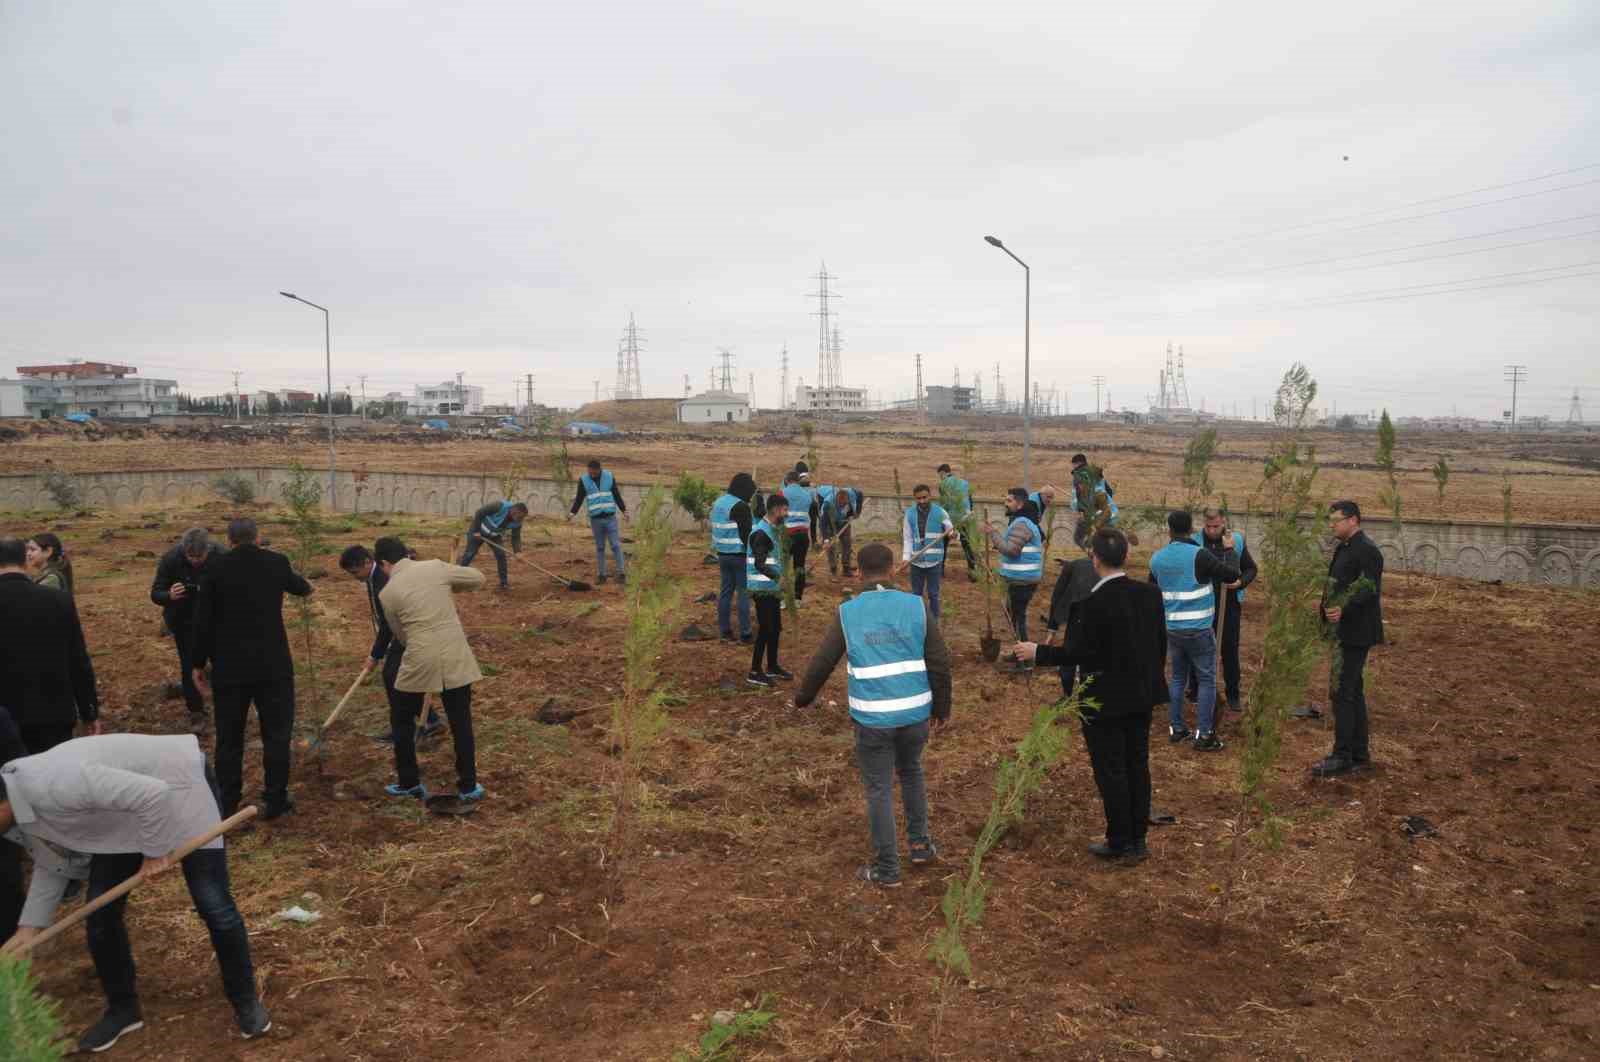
point(759, 582)
point(888, 677)
point(1189, 604)
point(960, 495)
point(934, 529)
point(724, 529)
point(825, 494)
point(800, 498)
point(499, 520)
point(1029, 567)
point(598, 496)
point(1238, 544)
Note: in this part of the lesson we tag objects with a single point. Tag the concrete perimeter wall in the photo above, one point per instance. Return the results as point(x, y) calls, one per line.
point(1548, 554)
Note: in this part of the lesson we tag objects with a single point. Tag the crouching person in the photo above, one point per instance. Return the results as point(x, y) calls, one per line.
point(125, 802)
point(899, 686)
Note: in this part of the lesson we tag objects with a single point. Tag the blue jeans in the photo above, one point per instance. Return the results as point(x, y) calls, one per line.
point(473, 545)
point(732, 568)
point(881, 753)
point(928, 579)
point(607, 529)
point(1192, 651)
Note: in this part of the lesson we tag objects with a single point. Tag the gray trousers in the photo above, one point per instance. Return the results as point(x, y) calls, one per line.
point(882, 753)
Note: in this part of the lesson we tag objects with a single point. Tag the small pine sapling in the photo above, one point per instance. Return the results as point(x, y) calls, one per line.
point(63, 489)
point(1441, 476)
point(694, 496)
point(809, 430)
point(720, 1042)
point(1389, 495)
point(512, 478)
point(1197, 457)
point(1505, 503)
point(30, 1023)
point(235, 487)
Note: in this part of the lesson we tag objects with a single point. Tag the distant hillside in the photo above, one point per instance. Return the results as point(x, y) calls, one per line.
point(632, 413)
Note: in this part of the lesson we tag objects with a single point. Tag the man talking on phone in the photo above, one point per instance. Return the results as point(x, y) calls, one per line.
point(175, 589)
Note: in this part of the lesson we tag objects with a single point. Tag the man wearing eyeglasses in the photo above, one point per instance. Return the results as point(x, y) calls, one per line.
point(1355, 581)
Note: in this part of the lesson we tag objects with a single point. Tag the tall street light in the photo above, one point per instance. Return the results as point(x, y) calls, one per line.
point(327, 346)
point(1027, 397)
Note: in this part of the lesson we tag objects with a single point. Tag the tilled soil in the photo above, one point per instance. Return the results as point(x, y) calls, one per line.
point(491, 936)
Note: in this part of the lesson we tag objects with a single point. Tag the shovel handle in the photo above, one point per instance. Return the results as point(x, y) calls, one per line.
point(120, 890)
point(340, 706)
point(524, 560)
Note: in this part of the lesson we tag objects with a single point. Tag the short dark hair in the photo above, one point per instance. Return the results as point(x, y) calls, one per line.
point(801, 466)
point(518, 505)
point(241, 531)
point(594, 462)
point(354, 557)
point(1111, 546)
point(776, 500)
point(942, 469)
point(1345, 507)
point(1019, 493)
point(13, 552)
point(875, 559)
point(1079, 459)
point(1180, 522)
point(791, 476)
point(390, 550)
point(922, 486)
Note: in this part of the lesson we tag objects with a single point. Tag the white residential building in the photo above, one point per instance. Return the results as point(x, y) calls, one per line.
point(715, 407)
point(96, 388)
point(445, 398)
point(830, 399)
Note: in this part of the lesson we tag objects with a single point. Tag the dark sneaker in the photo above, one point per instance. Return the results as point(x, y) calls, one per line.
point(277, 809)
point(1234, 705)
point(1102, 850)
point(1307, 711)
point(108, 1030)
point(874, 876)
point(417, 792)
point(473, 795)
point(924, 853)
point(781, 674)
point(1331, 766)
point(622, 578)
point(759, 678)
point(746, 639)
point(1207, 742)
point(1137, 852)
point(601, 580)
point(253, 1020)
point(1177, 734)
point(727, 636)
point(434, 727)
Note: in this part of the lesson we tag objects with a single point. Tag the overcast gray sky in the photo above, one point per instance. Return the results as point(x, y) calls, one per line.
point(492, 187)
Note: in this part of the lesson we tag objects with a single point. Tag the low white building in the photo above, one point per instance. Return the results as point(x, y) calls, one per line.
point(830, 399)
point(446, 398)
point(715, 407)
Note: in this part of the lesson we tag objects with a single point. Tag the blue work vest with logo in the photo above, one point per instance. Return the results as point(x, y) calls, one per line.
point(499, 520)
point(1029, 567)
point(724, 530)
point(1188, 603)
point(800, 498)
point(1198, 538)
point(758, 581)
point(933, 532)
point(598, 496)
point(888, 677)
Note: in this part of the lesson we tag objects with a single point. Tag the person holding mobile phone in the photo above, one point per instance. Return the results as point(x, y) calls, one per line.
point(176, 588)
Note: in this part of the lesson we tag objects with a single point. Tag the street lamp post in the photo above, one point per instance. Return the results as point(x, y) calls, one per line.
point(1027, 331)
point(327, 346)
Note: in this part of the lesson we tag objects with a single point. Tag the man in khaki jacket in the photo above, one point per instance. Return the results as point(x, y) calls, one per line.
point(418, 606)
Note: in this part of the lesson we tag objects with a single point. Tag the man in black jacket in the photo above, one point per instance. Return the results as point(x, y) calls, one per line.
point(1073, 586)
point(1123, 656)
point(46, 680)
point(1355, 586)
point(176, 585)
point(238, 627)
point(1209, 539)
point(387, 651)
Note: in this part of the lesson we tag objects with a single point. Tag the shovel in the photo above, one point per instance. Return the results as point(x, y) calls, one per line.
point(115, 893)
point(576, 585)
point(322, 730)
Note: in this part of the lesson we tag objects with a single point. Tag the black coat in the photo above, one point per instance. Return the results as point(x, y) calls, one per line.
point(1123, 648)
point(1361, 622)
point(45, 675)
point(238, 620)
point(1072, 588)
point(174, 568)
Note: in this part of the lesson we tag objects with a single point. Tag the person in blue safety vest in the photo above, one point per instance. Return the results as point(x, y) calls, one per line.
point(730, 535)
point(1227, 621)
point(899, 689)
point(955, 494)
point(1088, 482)
point(1184, 572)
point(763, 574)
point(488, 527)
point(599, 494)
point(836, 508)
point(1021, 550)
point(801, 525)
point(924, 532)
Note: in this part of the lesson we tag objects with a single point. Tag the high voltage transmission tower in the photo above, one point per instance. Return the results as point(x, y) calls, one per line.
point(1515, 374)
point(917, 399)
point(725, 374)
point(628, 385)
point(1575, 411)
point(783, 395)
point(828, 374)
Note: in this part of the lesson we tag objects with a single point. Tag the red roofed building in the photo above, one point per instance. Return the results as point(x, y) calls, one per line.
point(97, 388)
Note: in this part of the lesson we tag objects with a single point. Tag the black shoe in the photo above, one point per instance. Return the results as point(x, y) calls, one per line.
point(727, 636)
point(253, 1019)
point(759, 678)
point(924, 853)
point(1331, 766)
point(746, 639)
point(277, 810)
point(874, 876)
point(1103, 850)
point(1234, 705)
point(1176, 735)
point(622, 578)
point(1137, 852)
point(601, 580)
point(1208, 742)
point(108, 1030)
point(1306, 711)
point(1363, 764)
point(780, 673)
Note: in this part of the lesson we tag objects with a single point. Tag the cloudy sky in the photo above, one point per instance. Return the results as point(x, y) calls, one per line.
point(491, 188)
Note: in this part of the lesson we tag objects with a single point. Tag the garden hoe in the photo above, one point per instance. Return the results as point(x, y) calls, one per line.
point(316, 742)
point(576, 585)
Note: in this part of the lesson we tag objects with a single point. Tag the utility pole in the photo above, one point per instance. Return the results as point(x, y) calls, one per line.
point(363, 399)
point(1575, 411)
point(918, 399)
point(528, 395)
point(1515, 374)
point(783, 394)
point(1099, 382)
point(238, 398)
point(686, 385)
point(597, 390)
point(460, 406)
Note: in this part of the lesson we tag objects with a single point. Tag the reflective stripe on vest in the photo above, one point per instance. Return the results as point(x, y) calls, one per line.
point(800, 498)
point(497, 520)
point(1029, 567)
point(598, 495)
point(757, 580)
point(1189, 605)
point(724, 529)
point(888, 678)
point(1238, 544)
point(935, 533)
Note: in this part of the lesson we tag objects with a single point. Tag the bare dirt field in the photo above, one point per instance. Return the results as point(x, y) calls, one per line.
point(1554, 478)
point(486, 936)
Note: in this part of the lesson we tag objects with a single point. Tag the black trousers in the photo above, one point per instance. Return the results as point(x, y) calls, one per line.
point(183, 638)
point(799, 546)
point(274, 701)
point(769, 625)
point(13, 889)
point(966, 547)
point(1018, 597)
point(1119, 751)
point(1069, 679)
point(37, 739)
point(403, 711)
point(1348, 694)
point(1230, 653)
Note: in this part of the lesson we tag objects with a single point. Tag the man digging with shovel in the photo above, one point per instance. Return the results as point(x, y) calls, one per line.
point(357, 562)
